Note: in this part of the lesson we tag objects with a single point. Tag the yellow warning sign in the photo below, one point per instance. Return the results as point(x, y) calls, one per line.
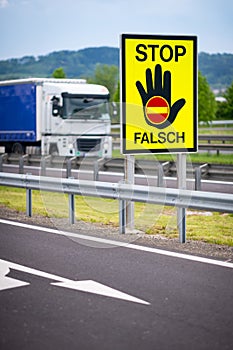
point(159, 93)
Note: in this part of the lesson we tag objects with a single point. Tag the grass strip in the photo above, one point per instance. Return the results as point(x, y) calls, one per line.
point(199, 157)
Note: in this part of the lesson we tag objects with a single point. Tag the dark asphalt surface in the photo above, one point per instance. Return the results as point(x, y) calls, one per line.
point(190, 302)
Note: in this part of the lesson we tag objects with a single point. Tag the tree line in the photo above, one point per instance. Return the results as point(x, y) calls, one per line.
point(100, 65)
point(217, 68)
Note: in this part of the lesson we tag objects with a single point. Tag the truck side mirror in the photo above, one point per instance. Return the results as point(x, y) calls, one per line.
point(56, 109)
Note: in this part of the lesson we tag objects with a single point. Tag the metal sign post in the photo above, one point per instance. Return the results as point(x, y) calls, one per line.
point(181, 212)
point(129, 179)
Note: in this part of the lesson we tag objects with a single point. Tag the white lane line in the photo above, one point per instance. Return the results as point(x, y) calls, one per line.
point(87, 286)
point(121, 244)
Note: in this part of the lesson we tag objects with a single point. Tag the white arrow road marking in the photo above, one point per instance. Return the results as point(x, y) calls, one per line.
point(88, 286)
point(7, 282)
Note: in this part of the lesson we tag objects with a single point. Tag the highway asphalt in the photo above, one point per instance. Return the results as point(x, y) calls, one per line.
point(60, 292)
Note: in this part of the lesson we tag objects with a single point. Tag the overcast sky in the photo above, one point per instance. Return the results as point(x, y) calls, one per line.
point(38, 27)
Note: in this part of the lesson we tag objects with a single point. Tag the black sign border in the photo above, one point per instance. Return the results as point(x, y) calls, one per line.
point(124, 37)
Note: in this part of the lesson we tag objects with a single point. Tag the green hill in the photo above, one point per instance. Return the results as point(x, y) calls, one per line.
point(76, 64)
point(217, 68)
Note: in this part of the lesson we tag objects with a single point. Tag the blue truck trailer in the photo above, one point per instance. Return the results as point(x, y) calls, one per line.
point(67, 117)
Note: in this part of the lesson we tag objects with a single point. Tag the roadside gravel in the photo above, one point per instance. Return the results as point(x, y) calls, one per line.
point(220, 252)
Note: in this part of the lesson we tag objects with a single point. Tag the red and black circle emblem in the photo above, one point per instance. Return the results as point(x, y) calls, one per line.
point(157, 110)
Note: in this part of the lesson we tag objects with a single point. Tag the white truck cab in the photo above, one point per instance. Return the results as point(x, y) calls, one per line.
point(67, 117)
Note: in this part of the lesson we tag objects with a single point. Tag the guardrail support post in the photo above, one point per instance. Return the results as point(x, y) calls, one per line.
point(198, 173)
point(71, 209)
point(198, 179)
point(2, 156)
point(43, 164)
point(29, 202)
point(96, 171)
point(69, 166)
point(21, 163)
point(97, 166)
point(160, 176)
point(122, 216)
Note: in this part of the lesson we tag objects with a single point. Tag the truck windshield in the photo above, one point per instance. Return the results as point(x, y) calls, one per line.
point(85, 108)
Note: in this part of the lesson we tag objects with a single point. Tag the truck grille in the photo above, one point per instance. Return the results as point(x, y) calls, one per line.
point(86, 145)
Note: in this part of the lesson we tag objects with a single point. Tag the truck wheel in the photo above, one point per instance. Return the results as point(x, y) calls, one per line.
point(17, 148)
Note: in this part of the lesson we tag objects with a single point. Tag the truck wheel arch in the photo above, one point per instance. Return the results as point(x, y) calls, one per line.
point(18, 148)
point(53, 149)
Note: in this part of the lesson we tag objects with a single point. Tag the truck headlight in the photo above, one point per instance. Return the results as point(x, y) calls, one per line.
point(105, 146)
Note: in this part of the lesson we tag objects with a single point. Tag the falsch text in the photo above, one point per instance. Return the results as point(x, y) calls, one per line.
point(162, 137)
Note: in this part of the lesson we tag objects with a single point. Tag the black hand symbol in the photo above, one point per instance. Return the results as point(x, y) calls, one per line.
point(160, 89)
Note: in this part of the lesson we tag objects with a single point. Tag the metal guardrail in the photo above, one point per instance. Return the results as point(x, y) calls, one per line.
point(216, 147)
point(218, 122)
point(197, 171)
point(119, 191)
point(219, 138)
